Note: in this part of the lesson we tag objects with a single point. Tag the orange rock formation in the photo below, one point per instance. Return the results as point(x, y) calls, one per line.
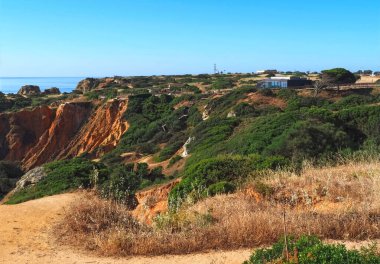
point(45, 134)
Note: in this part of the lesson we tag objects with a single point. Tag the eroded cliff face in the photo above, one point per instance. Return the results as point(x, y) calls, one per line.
point(102, 132)
point(20, 131)
point(44, 134)
point(69, 119)
point(153, 202)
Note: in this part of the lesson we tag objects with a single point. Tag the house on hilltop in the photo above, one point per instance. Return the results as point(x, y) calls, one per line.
point(284, 82)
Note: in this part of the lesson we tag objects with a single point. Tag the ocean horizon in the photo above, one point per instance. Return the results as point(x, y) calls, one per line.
point(13, 84)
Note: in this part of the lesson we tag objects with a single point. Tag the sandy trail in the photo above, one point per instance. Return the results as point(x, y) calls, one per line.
point(25, 237)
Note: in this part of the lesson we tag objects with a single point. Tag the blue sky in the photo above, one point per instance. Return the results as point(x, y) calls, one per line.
point(145, 37)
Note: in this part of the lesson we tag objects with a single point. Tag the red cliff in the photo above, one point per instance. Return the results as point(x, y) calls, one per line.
point(45, 134)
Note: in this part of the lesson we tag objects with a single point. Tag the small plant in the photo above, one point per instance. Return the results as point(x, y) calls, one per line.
point(264, 189)
point(174, 160)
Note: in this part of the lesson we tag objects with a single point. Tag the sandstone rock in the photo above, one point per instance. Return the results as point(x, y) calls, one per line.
point(87, 85)
point(102, 131)
point(21, 130)
point(30, 178)
point(68, 120)
point(53, 90)
point(45, 134)
point(153, 202)
point(29, 90)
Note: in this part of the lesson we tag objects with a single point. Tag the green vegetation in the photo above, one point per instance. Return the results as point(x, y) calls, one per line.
point(338, 76)
point(153, 121)
point(306, 127)
point(174, 160)
point(222, 83)
point(61, 176)
point(9, 174)
point(311, 250)
point(219, 175)
point(118, 183)
point(15, 102)
point(107, 93)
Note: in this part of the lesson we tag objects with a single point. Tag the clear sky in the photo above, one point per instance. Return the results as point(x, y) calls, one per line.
point(145, 37)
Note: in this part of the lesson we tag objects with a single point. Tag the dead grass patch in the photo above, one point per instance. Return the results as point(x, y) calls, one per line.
point(340, 202)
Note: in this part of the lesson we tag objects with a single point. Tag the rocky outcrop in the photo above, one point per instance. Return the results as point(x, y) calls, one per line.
point(102, 131)
point(68, 120)
point(53, 90)
point(90, 84)
point(30, 178)
point(152, 202)
point(44, 134)
point(29, 90)
point(20, 131)
point(87, 85)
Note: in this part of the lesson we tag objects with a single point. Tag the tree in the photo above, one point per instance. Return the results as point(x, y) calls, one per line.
point(123, 183)
point(319, 85)
point(367, 72)
point(338, 76)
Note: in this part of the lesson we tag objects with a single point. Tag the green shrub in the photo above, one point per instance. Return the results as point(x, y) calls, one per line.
point(152, 121)
point(266, 92)
point(352, 100)
point(5, 103)
point(122, 184)
point(264, 189)
point(223, 104)
point(174, 144)
point(216, 172)
point(300, 102)
point(174, 160)
point(311, 250)
point(244, 109)
point(108, 93)
point(363, 121)
point(287, 94)
point(310, 139)
point(220, 188)
point(222, 83)
point(9, 174)
point(61, 176)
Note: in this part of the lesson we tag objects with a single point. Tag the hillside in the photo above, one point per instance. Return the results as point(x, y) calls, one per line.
point(184, 164)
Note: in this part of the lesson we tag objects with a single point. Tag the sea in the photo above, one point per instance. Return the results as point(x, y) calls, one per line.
point(13, 84)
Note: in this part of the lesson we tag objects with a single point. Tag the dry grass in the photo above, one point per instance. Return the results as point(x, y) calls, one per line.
point(341, 202)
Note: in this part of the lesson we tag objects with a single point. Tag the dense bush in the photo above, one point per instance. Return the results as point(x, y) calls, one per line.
point(353, 100)
point(222, 83)
point(266, 92)
point(221, 187)
point(287, 94)
point(296, 103)
point(218, 175)
point(9, 174)
point(122, 183)
point(226, 102)
point(207, 135)
point(244, 109)
point(152, 121)
point(174, 160)
point(5, 103)
point(365, 119)
point(311, 250)
point(310, 139)
point(174, 144)
point(108, 93)
point(61, 176)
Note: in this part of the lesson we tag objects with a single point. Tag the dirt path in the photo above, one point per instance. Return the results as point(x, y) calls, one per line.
point(25, 237)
